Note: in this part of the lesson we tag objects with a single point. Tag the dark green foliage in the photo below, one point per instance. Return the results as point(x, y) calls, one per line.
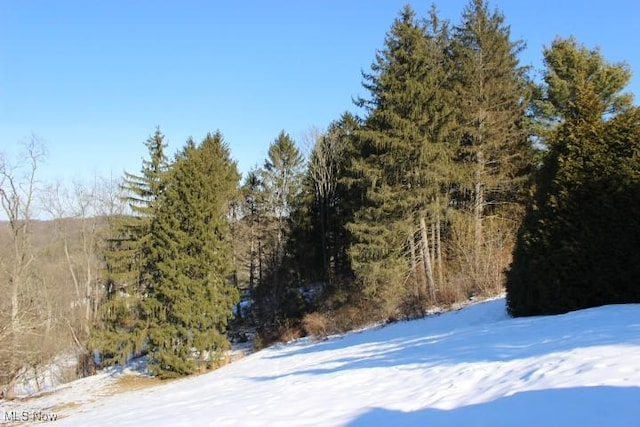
point(169, 264)
point(120, 332)
point(416, 203)
point(579, 245)
point(570, 69)
point(282, 175)
point(191, 297)
point(348, 196)
point(568, 64)
point(141, 192)
point(280, 186)
point(313, 268)
point(328, 206)
point(257, 224)
point(492, 92)
point(402, 147)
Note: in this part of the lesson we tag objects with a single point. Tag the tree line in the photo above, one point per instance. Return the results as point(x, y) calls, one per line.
point(461, 175)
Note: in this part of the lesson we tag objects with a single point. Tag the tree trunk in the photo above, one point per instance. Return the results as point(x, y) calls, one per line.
point(478, 209)
point(72, 272)
point(439, 250)
point(323, 232)
point(426, 256)
point(414, 265)
point(252, 266)
point(433, 251)
point(260, 268)
point(15, 308)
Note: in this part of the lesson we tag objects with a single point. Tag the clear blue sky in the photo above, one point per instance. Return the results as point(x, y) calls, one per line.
point(93, 78)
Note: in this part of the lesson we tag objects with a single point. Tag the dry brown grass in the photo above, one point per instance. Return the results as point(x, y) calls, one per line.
point(291, 333)
point(450, 294)
point(338, 321)
point(133, 382)
point(68, 406)
point(284, 333)
point(349, 317)
point(315, 325)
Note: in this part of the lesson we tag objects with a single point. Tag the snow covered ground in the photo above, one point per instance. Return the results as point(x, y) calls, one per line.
point(472, 367)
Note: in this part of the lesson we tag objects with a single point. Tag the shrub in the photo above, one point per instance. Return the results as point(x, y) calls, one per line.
point(315, 325)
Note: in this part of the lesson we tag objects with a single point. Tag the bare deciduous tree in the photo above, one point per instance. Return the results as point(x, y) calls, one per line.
point(20, 317)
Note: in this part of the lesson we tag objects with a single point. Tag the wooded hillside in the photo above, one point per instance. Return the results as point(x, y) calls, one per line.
point(456, 163)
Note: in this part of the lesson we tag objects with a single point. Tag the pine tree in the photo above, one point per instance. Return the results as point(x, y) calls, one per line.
point(191, 297)
point(282, 175)
point(403, 136)
point(281, 180)
point(255, 216)
point(578, 246)
point(495, 157)
point(120, 332)
point(569, 67)
point(347, 196)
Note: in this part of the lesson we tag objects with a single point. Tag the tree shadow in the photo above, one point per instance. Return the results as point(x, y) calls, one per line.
point(444, 340)
point(581, 406)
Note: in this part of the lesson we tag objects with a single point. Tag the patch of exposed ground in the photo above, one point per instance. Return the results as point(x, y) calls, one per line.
point(132, 382)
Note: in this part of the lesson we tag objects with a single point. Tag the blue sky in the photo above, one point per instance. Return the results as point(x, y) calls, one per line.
point(93, 79)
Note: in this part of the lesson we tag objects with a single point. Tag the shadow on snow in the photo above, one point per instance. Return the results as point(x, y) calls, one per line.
point(579, 406)
point(480, 333)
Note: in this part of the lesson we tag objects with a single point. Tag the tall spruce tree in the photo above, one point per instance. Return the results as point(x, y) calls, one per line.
point(120, 332)
point(404, 135)
point(281, 181)
point(282, 175)
point(191, 296)
point(495, 157)
point(578, 246)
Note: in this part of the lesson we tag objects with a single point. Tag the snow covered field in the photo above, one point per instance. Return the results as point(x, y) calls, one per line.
point(472, 367)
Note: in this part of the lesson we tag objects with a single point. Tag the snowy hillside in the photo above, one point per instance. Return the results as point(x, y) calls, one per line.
point(473, 367)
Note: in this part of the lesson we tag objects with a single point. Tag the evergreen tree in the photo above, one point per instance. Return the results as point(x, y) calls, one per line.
point(314, 269)
point(282, 184)
point(569, 67)
point(495, 156)
point(191, 297)
point(578, 246)
point(282, 175)
point(120, 332)
point(329, 205)
point(397, 165)
point(348, 196)
point(257, 222)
